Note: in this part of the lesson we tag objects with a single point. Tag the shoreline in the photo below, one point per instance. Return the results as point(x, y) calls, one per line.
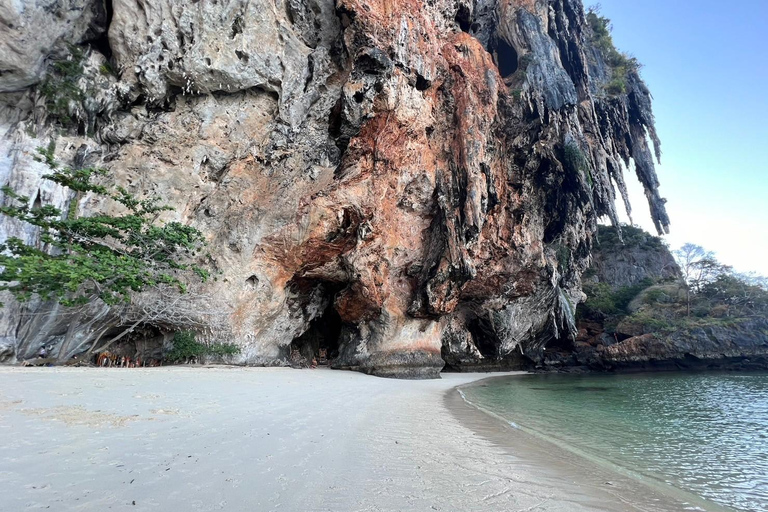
point(636, 491)
point(212, 438)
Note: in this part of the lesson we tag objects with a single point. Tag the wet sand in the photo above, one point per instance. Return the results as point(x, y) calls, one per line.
point(240, 439)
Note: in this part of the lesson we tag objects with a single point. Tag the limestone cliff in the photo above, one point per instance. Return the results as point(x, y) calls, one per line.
point(406, 183)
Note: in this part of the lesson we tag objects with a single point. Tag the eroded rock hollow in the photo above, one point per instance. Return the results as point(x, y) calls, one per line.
point(418, 182)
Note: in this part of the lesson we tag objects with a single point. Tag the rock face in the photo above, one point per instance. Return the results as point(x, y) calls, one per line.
point(410, 183)
point(740, 345)
point(31, 31)
point(638, 257)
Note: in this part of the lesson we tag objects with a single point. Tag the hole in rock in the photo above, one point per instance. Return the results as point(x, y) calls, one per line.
point(463, 18)
point(97, 33)
point(484, 337)
point(237, 26)
point(320, 342)
point(143, 346)
point(38, 202)
point(334, 119)
point(506, 58)
point(374, 62)
point(563, 344)
point(422, 84)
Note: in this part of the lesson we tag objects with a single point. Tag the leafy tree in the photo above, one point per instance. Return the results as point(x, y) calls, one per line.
point(604, 301)
point(631, 236)
point(102, 257)
point(741, 294)
point(698, 268)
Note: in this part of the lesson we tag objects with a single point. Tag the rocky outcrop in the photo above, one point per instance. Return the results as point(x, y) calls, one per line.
point(653, 329)
point(636, 257)
point(742, 343)
point(33, 31)
point(420, 181)
point(733, 345)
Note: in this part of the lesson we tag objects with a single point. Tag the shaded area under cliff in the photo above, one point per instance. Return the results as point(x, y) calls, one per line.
point(321, 340)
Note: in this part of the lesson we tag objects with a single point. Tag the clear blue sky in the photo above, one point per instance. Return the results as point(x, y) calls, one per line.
point(706, 63)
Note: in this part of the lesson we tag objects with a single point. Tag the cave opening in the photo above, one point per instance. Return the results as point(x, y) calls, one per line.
point(484, 337)
point(559, 351)
point(464, 18)
point(141, 345)
point(320, 342)
point(506, 58)
point(98, 34)
point(561, 344)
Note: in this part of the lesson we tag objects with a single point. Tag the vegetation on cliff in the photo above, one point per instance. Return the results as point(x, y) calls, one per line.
point(621, 64)
point(187, 349)
point(704, 293)
point(61, 87)
point(100, 258)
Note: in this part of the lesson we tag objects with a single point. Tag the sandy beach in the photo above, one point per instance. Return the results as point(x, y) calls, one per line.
point(240, 439)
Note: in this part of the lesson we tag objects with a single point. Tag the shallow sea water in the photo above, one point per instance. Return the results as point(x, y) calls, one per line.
point(702, 433)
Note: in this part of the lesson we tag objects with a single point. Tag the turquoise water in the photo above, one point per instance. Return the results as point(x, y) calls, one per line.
point(706, 434)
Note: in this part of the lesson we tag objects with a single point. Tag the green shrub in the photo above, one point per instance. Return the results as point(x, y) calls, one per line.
point(186, 348)
point(576, 162)
point(600, 299)
point(620, 63)
point(655, 296)
point(106, 69)
point(626, 294)
point(616, 86)
point(60, 86)
point(608, 238)
point(652, 322)
point(222, 349)
point(603, 301)
point(700, 311)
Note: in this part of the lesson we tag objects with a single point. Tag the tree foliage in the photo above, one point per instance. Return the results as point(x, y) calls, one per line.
point(631, 236)
point(187, 349)
point(603, 300)
point(698, 266)
point(739, 296)
point(102, 256)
